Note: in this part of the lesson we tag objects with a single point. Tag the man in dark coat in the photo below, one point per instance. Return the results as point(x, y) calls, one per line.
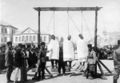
point(116, 57)
point(41, 63)
point(32, 60)
point(9, 60)
point(61, 63)
point(20, 61)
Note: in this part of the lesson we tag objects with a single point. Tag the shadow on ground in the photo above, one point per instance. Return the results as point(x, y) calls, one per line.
point(48, 77)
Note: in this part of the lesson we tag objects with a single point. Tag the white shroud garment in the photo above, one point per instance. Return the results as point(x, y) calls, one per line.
point(82, 50)
point(53, 47)
point(68, 50)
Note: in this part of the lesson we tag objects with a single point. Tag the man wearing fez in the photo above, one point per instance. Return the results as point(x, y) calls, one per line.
point(40, 71)
point(91, 61)
point(9, 61)
point(116, 58)
point(42, 58)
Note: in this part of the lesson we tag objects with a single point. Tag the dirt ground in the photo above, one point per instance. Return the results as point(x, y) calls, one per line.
point(77, 77)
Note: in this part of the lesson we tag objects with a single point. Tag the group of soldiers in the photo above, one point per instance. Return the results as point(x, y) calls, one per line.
point(21, 58)
point(60, 53)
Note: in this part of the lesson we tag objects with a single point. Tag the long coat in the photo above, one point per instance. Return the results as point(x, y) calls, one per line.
point(68, 50)
point(8, 57)
point(82, 50)
point(53, 47)
point(19, 59)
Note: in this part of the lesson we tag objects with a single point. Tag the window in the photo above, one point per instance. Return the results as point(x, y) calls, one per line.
point(23, 38)
point(34, 38)
point(19, 39)
point(44, 38)
point(16, 39)
point(41, 38)
point(13, 31)
point(30, 38)
point(2, 40)
point(26, 38)
point(4, 30)
point(5, 39)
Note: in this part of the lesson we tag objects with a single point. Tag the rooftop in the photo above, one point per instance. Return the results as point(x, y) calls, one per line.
point(5, 24)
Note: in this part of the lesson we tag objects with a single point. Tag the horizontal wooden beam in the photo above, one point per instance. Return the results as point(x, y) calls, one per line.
point(67, 8)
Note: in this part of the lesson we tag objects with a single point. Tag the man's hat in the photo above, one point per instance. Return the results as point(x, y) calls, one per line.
point(9, 43)
point(21, 45)
point(42, 43)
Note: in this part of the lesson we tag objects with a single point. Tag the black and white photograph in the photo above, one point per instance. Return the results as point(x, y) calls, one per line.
point(59, 41)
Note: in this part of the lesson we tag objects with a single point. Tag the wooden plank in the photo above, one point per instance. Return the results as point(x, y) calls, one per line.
point(67, 8)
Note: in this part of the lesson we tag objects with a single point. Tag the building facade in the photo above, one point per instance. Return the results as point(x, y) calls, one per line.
point(6, 33)
point(29, 36)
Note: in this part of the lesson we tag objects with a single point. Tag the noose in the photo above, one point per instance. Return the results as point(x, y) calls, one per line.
point(51, 18)
point(54, 24)
point(68, 22)
point(81, 22)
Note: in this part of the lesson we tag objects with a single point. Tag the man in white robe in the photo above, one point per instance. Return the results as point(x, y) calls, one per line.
point(82, 51)
point(53, 47)
point(68, 51)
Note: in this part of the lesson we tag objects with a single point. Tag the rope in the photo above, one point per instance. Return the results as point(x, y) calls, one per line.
point(50, 20)
point(54, 23)
point(81, 22)
point(68, 22)
point(74, 24)
point(84, 19)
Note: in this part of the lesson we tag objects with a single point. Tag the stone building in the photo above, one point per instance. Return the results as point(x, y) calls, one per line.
point(29, 36)
point(6, 33)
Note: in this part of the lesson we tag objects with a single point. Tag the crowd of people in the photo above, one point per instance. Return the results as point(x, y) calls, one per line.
point(60, 53)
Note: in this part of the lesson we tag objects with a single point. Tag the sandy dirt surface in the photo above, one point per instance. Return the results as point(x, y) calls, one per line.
point(75, 78)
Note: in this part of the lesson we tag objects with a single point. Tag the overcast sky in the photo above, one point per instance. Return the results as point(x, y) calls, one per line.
point(20, 13)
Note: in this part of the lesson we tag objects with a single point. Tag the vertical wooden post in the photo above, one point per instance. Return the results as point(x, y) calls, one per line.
point(95, 38)
point(39, 38)
point(96, 19)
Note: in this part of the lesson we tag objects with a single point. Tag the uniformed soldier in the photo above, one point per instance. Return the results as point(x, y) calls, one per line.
point(91, 61)
point(43, 60)
point(9, 61)
point(116, 57)
point(24, 66)
point(41, 63)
